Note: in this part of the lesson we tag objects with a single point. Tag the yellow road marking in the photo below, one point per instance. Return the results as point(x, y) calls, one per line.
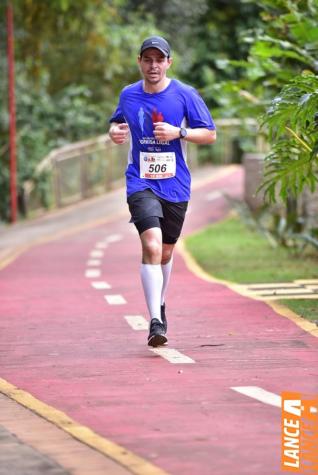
point(134, 463)
point(280, 309)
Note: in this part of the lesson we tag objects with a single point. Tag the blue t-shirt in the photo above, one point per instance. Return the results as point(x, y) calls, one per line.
point(179, 105)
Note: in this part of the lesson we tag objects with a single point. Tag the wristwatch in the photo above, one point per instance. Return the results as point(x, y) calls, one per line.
point(183, 133)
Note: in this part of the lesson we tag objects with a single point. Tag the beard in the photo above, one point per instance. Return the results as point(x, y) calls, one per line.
point(153, 78)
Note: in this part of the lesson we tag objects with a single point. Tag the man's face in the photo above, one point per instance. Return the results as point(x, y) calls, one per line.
point(153, 65)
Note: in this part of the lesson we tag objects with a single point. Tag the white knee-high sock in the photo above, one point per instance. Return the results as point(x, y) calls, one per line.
point(152, 280)
point(166, 272)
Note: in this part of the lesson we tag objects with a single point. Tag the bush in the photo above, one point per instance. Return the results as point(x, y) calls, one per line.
point(44, 122)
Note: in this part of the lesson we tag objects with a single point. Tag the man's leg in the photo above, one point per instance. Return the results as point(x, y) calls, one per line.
point(166, 266)
point(151, 272)
point(159, 230)
point(152, 280)
point(171, 225)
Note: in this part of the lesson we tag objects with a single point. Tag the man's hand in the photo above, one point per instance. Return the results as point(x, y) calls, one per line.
point(119, 133)
point(164, 131)
point(199, 135)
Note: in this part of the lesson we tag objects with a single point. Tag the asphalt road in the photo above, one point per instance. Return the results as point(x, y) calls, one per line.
point(73, 336)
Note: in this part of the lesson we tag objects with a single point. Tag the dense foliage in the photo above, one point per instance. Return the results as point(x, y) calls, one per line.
point(293, 129)
point(71, 61)
point(280, 87)
point(290, 118)
point(73, 58)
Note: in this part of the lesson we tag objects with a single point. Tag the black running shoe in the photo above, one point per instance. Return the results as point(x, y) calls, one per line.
point(157, 333)
point(163, 317)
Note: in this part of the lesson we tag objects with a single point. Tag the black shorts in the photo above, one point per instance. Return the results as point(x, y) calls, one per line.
point(149, 210)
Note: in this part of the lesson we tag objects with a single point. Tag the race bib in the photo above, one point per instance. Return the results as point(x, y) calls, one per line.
point(156, 166)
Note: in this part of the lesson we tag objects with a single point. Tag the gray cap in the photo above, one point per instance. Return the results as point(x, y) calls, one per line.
point(156, 42)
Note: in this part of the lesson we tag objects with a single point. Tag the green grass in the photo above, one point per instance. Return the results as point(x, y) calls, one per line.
point(229, 250)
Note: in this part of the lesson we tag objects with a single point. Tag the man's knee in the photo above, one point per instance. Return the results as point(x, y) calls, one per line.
point(151, 246)
point(167, 251)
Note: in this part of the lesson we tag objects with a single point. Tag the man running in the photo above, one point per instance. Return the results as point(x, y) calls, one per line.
point(159, 115)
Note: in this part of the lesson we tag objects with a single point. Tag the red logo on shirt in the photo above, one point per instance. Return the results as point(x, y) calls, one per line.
point(157, 116)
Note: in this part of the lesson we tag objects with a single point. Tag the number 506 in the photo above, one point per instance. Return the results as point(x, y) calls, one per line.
point(157, 168)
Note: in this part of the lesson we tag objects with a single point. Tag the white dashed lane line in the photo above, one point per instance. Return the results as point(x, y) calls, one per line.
point(94, 262)
point(259, 394)
point(101, 245)
point(96, 253)
point(115, 299)
point(92, 273)
point(264, 396)
point(137, 322)
point(172, 355)
point(101, 285)
point(113, 238)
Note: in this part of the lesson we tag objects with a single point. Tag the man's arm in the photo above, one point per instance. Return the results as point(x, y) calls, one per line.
point(200, 135)
point(119, 132)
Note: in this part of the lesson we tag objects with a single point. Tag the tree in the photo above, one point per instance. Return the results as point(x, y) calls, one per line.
point(280, 87)
point(218, 38)
point(281, 45)
point(293, 130)
point(72, 59)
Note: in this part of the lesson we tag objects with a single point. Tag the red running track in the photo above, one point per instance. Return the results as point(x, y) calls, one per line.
point(62, 342)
